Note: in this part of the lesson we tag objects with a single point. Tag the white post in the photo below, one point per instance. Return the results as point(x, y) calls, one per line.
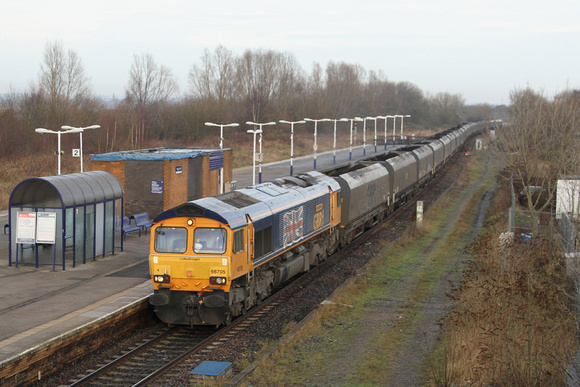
point(315, 146)
point(221, 126)
point(292, 141)
point(402, 119)
point(80, 130)
point(419, 214)
point(59, 133)
point(254, 132)
point(260, 130)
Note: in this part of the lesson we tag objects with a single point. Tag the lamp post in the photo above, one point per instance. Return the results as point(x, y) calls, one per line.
point(58, 133)
point(221, 126)
point(261, 156)
point(292, 141)
point(402, 118)
point(365, 134)
point(66, 127)
point(334, 142)
point(375, 119)
point(386, 119)
point(315, 146)
point(352, 120)
point(254, 132)
point(395, 119)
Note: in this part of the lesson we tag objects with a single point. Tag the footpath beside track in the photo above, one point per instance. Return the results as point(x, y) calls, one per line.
point(386, 339)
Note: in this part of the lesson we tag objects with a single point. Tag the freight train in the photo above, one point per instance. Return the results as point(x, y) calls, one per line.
point(212, 259)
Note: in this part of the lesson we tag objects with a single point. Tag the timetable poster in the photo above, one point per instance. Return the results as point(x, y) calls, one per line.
point(26, 227)
point(46, 227)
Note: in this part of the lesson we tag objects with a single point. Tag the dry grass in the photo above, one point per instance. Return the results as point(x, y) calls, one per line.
point(344, 343)
point(275, 146)
point(14, 171)
point(512, 323)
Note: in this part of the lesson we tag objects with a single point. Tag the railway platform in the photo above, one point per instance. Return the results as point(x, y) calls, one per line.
point(39, 306)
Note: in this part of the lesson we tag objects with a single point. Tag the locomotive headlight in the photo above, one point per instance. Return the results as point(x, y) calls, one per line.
point(162, 278)
point(217, 280)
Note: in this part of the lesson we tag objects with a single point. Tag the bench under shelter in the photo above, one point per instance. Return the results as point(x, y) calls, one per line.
point(65, 218)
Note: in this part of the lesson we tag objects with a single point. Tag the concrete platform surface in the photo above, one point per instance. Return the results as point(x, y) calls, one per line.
point(38, 305)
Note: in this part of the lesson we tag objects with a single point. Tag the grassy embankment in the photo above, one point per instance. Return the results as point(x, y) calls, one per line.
point(377, 317)
point(513, 321)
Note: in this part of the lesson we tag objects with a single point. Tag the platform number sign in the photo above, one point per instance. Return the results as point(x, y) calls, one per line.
point(76, 153)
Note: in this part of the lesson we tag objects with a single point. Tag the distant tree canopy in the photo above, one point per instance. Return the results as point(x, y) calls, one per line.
point(223, 87)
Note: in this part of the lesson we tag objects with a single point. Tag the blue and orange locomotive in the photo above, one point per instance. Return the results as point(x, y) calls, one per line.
point(214, 258)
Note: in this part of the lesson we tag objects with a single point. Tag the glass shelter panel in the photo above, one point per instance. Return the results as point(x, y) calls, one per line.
point(69, 232)
point(109, 226)
point(118, 222)
point(80, 234)
point(90, 231)
point(99, 229)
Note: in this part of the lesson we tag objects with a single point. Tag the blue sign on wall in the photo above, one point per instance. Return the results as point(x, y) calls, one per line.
point(156, 186)
point(216, 160)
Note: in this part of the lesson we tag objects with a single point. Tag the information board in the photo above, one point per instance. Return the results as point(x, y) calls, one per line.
point(156, 186)
point(46, 227)
point(26, 227)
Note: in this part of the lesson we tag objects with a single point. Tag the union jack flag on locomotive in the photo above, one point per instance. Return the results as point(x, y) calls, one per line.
point(293, 226)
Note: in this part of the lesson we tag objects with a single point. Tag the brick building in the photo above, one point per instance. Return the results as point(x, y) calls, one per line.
point(158, 179)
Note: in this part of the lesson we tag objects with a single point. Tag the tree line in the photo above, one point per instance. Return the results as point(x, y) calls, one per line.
point(223, 87)
point(540, 143)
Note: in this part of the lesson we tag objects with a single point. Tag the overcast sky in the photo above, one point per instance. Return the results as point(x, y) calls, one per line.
point(479, 49)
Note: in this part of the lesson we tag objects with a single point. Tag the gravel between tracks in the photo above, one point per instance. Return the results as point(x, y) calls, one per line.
point(407, 366)
point(250, 342)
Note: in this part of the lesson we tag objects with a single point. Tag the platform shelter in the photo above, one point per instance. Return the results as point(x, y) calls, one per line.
point(63, 219)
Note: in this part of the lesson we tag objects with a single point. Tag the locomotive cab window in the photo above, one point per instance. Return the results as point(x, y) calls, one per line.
point(209, 241)
point(170, 240)
point(238, 241)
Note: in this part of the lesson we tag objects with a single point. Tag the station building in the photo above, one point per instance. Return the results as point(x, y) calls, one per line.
point(157, 179)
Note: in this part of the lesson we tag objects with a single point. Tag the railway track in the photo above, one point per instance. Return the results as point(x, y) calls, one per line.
point(171, 346)
point(167, 356)
point(134, 366)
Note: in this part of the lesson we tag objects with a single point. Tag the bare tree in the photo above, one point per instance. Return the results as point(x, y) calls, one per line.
point(344, 85)
point(149, 85)
point(63, 80)
point(290, 87)
point(214, 78)
point(411, 100)
point(541, 143)
point(380, 95)
point(315, 92)
point(256, 76)
point(446, 108)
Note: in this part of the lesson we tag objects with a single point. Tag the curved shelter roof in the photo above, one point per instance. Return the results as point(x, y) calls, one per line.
point(67, 190)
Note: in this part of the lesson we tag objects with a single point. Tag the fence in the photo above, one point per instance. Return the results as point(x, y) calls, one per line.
point(526, 224)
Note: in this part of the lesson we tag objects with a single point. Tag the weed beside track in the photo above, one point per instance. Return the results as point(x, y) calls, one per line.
point(385, 326)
